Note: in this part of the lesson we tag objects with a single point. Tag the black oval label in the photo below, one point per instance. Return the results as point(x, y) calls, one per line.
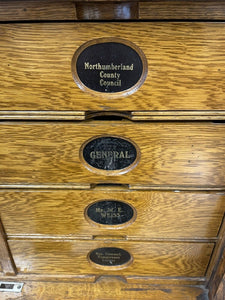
point(109, 153)
point(110, 256)
point(109, 66)
point(110, 212)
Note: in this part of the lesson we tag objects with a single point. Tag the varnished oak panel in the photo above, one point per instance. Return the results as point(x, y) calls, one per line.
point(14, 10)
point(180, 154)
point(185, 9)
point(11, 10)
point(61, 213)
point(186, 67)
point(107, 289)
point(149, 259)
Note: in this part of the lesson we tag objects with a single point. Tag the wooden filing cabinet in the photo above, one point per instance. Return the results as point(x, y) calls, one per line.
point(172, 121)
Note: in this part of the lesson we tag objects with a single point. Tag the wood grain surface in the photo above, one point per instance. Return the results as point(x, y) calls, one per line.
point(180, 154)
point(106, 288)
point(96, 10)
point(216, 268)
point(186, 67)
point(7, 265)
point(185, 9)
point(33, 10)
point(61, 214)
point(220, 294)
point(149, 259)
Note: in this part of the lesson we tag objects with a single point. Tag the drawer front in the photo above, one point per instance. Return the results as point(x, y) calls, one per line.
point(186, 66)
point(168, 154)
point(149, 259)
point(62, 213)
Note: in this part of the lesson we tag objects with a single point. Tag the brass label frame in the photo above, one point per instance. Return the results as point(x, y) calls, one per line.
point(111, 267)
point(111, 226)
point(111, 95)
point(109, 172)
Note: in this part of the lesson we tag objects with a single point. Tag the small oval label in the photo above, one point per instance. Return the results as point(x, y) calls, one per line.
point(110, 212)
point(110, 153)
point(110, 257)
point(109, 65)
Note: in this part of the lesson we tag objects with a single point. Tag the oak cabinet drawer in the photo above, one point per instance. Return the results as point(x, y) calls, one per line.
point(164, 154)
point(185, 67)
point(71, 257)
point(156, 214)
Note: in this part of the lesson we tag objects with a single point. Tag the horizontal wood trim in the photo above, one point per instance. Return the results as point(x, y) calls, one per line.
point(111, 237)
point(134, 115)
point(33, 10)
point(149, 259)
point(43, 115)
point(185, 69)
point(27, 10)
point(176, 281)
point(73, 186)
point(162, 187)
point(113, 187)
point(184, 9)
point(200, 281)
point(108, 288)
point(177, 115)
point(185, 154)
point(61, 213)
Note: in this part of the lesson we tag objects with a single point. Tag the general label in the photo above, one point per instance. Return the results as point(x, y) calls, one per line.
point(109, 66)
point(110, 256)
point(109, 153)
point(110, 212)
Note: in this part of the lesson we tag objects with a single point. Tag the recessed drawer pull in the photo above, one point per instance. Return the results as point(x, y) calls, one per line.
point(108, 115)
point(109, 238)
point(109, 186)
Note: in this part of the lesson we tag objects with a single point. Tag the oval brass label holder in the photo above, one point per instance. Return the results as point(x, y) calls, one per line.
point(110, 214)
point(110, 258)
point(109, 67)
point(109, 155)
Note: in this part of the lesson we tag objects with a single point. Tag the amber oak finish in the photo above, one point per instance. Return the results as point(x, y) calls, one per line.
point(13, 10)
point(60, 257)
point(7, 265)
point(60, 214)
point(181, 10)
point(185, 71)
point(172, 154)
point(176, 240)
point(107, 289)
